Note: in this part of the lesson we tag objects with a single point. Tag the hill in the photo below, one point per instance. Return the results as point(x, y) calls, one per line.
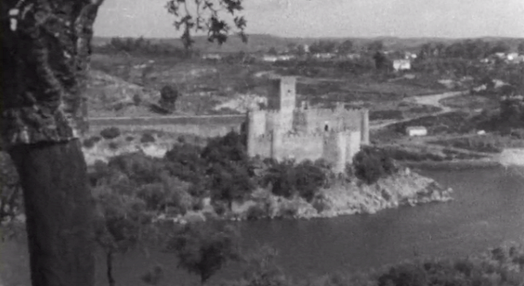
point(262, 42)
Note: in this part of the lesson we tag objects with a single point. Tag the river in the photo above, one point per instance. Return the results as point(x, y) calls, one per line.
point(488, 210)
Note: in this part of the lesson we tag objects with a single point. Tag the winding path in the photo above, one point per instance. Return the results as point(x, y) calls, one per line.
point(433, 100)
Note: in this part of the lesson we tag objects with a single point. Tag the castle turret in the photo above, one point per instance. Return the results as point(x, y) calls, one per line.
point(335, 149)
point(364, 128)
point(276, 144)
point(282, 97)
point(251, 133)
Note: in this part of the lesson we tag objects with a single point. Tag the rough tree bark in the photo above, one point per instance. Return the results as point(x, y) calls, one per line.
point(45, 48)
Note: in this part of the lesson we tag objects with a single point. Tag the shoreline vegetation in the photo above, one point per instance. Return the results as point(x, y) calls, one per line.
point(219, 181)
point(405, 188)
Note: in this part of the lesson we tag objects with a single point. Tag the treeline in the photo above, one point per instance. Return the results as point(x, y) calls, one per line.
point(321, 68)
point(142, 46)
point(467, 49)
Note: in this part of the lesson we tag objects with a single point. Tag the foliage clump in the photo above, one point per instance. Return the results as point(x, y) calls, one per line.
point(147, 138)
point(91, 141)
point(288, 179)
point(371, 164)
point(110, 133)
point(203, 249)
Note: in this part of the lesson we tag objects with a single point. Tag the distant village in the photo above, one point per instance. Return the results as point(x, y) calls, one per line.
point(400, 60)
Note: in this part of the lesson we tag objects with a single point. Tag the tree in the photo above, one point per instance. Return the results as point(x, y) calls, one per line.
point(204, 17)
point(45, 52)
point(381, 61)
point(323, 47)
point(168, 97)
point(301, 50)
point(10, 192)
point(376, 46)
point(205, 249)
point(520, 48)
point(345, 47)
point(123, 224)
point(44, 62)
point(370, 164)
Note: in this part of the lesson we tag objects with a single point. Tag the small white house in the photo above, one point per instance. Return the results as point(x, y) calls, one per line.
point(269, 58)
point(416, 131)
point(399, 65)
point(211, 57)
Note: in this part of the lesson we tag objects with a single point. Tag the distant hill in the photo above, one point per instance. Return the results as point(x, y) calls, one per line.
point(261, 42)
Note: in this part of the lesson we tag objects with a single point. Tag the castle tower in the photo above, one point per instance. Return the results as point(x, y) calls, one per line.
point(335, 150)
point(282, 97)
point(251, 133)
point(364, 128)
point(276, 144)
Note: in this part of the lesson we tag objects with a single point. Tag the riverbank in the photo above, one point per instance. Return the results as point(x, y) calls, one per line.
point(405, 188)
point(454, 164)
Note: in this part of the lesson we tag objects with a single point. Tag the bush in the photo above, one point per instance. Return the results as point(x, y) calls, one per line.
point(288, 179)
point(113, 146)
point(255, 212)
point(370, 164)
point(147, 138)
point(110, 133)
point(91, 141)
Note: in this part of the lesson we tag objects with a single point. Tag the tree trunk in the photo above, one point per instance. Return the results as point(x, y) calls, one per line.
point(109, 261)
point(58, 207)
point(45, 48)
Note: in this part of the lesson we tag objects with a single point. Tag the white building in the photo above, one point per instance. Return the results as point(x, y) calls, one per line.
point(211, 57)
point(416, 131)
point(269, 58)
point(400, 65)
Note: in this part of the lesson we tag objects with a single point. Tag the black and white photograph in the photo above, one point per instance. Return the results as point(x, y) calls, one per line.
point(262, 143)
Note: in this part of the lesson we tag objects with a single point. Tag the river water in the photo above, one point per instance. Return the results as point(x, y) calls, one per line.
point(488, 210)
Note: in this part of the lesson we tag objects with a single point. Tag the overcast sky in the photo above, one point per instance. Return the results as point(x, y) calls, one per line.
point(334, 18)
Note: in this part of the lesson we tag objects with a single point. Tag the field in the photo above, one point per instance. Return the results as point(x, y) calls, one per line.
point(123, 85)
point(124, 91)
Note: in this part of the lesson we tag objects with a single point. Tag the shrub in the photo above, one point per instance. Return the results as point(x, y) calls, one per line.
point(138, 167)
point(281, 176)
point(113, 146)
point(370, 164)
point(147, 138)
point(91, 141)
point(255, 212)
point(129, 138)
point(309, 179)
point(110, 133)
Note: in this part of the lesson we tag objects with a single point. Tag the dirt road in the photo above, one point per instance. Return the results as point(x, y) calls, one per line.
point(433, 100)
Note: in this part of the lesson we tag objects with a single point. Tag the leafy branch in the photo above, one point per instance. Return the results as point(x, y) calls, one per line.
point(206, 16)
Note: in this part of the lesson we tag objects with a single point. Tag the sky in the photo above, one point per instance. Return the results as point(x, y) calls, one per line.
point(333, 18)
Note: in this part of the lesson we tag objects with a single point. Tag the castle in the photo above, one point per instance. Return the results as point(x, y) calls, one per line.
point(284, 131)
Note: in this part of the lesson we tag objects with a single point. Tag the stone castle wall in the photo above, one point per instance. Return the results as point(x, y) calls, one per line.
point(284, 131)
point(337, 148)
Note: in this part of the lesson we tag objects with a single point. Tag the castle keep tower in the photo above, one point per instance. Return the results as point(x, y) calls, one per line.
point(284, 131)
point(282, 98)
